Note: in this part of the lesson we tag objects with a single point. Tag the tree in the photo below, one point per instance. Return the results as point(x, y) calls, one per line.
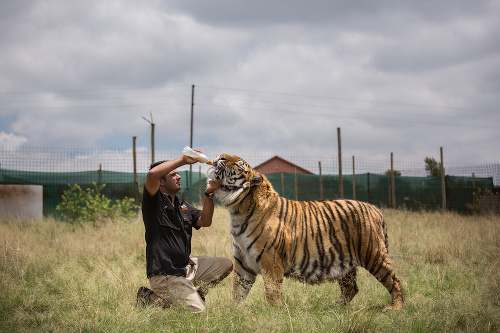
point(396, 173)
point(432, 167)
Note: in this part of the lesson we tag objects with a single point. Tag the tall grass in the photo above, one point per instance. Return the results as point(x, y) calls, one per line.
point(63, 277)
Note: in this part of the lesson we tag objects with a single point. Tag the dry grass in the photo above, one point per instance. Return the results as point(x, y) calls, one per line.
point(61, 277)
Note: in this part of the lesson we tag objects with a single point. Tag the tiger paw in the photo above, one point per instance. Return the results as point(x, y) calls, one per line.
point(341, 302)
point(392, 308)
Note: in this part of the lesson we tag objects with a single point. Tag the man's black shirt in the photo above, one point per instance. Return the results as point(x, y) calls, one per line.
point(168, 233)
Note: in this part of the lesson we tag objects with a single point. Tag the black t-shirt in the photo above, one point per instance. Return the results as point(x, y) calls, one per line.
point(168, 233)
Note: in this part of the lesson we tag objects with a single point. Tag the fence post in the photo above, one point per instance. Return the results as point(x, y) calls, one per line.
point(100, 174)
point(134, 156)
point(199, 188)
point(448, 192)
point(393, 185)
point(283, 185)
point(443, 186)
point(353, 180)
point(368, 185)
point(473, 189)
point(321, 195)
point(295, 181)
point(389, 187)
point(341, 184)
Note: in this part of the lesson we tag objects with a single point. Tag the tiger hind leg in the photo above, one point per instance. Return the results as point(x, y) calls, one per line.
point(395, 288)
point(348, 287)
point(384, 274)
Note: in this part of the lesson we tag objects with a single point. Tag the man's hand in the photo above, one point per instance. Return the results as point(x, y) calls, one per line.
point(207, 212)
point(213, 185)
point(189, 159)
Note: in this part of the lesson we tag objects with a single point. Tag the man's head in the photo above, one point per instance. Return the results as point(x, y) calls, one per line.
point(171, 183)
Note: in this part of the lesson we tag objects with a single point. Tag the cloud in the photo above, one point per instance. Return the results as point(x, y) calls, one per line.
point(11, 140)
point(270, 77)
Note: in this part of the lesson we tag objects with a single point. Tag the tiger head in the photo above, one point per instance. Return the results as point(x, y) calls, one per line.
point(237, 178)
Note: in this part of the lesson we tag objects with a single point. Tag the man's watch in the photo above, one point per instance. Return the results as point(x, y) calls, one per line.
point(209, 195)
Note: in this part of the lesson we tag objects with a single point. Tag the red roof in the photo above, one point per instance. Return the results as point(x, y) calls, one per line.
point(277, 164)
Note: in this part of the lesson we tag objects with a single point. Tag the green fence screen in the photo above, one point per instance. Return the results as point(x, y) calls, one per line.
point(414, 193)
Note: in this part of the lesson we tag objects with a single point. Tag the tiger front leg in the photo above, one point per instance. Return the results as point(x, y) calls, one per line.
point(242, 282)
point(348, 287)
point(273, 286)
point(273, 280)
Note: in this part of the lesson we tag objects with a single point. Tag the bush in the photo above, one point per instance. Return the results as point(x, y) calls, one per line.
point(91, 205)
point(476, 207)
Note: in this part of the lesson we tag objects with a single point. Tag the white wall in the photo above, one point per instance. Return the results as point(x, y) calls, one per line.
point(21, 201)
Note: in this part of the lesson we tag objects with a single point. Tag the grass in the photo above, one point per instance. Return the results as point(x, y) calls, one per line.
point(61, 277)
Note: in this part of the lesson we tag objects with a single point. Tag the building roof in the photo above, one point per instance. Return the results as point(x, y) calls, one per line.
point(277, 164)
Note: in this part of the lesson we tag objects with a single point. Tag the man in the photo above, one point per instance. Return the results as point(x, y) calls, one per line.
point(169, 220)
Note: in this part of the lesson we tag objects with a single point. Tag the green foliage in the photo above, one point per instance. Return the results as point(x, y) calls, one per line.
point(91, 205)
point(432, 167)
point(475, 208)
point(396, 172)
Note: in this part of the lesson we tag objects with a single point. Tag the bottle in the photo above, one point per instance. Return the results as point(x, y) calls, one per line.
point(194, 154)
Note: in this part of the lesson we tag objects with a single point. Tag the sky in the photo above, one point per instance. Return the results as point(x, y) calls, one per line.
point(271, 77)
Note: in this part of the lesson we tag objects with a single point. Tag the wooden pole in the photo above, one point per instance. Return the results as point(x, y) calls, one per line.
point(152, 137)
point(134, 156)
point(192, 113)
point(152, 141)
point(200, 190)
point(341, 184)
point(443, 187)
point(353, 180)
point(192, 120)
point(321, 194)
point(100, 174)
point(473, 189)
point(295, 181)
point(282, 185)
point(393, 185)
point(188, 182)
point(389, 187)
point(369, 189)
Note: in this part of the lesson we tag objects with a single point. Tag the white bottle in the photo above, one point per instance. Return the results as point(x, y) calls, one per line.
point(194, 154)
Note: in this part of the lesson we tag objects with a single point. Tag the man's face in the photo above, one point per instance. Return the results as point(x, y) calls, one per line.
point(171, 182)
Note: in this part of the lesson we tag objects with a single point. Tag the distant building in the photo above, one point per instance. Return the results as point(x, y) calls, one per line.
point(277, 164)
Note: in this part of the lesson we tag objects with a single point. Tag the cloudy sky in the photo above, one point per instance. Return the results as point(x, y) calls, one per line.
point(275, 77)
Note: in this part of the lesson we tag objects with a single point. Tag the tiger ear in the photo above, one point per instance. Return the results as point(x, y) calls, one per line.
point(257, 180)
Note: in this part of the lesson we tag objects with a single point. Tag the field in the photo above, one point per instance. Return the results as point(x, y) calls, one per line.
point(62, 277)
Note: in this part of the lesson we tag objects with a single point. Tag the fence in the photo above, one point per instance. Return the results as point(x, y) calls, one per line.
point(55, 168)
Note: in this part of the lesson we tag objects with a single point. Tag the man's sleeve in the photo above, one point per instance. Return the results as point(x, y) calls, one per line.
point(195, 215)
point(148, 203)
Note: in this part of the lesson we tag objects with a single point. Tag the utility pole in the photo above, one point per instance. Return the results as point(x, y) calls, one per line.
point(393, 185)
point(443, 184)
point(152, 137)
point(341, 183)
point(134, 139)
point(192, 108)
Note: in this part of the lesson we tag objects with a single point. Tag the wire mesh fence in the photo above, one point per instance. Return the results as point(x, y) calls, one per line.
point(124, 171)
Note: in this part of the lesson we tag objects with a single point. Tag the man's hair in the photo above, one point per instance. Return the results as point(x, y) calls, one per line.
point(156, 163)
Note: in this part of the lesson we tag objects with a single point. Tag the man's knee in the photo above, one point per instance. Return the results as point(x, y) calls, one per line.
point(229, 268)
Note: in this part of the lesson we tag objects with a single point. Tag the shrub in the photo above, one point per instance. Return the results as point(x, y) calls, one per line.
point(475, 208)
point(91, 205)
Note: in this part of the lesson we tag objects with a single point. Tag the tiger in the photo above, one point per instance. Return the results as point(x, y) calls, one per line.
point(311, 241)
